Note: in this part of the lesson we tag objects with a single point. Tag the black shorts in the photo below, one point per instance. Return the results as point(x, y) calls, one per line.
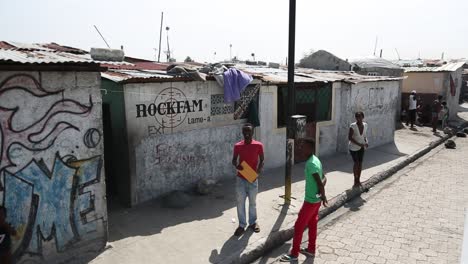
point(357, 155)
point(412, 115)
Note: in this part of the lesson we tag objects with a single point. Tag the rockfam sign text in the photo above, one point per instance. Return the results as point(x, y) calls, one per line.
point(171, 107)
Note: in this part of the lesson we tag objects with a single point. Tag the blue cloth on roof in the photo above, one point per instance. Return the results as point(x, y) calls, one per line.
point(235, 82)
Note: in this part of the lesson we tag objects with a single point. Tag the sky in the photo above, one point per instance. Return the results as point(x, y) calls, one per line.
point(205, 29)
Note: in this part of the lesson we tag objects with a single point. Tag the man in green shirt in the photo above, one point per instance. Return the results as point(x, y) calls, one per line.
point(308, 215)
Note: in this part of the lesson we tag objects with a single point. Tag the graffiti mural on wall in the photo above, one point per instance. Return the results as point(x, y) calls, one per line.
point(53, 203)
point(174, 154)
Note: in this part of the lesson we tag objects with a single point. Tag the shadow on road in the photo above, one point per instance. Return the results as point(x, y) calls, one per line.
point(229, 247)
point(152, 217)
point(355, 204)
point(372, 157)
point(279, 221)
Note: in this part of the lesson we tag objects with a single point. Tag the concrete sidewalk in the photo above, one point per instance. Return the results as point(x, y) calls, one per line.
point(203, 232)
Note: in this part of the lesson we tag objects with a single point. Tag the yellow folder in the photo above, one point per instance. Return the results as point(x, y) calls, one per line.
point(248, 173)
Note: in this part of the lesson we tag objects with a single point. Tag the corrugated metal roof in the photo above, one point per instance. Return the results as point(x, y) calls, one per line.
point(374, 62)
point(41, 56)
point(449, 67)
point(280, 76)
point(264, 73)
point(27, 46)
point(135, 65)
point(52, 53)
point(118, 75)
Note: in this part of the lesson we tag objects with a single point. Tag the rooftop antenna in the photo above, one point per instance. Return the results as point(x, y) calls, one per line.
point(375, 47)
point(156, 54)
point(398, 54)
point(102, 36)
point(168, 49)
point(160, 37)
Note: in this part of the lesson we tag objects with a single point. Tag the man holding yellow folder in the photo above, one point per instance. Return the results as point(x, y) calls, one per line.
point(248, 160)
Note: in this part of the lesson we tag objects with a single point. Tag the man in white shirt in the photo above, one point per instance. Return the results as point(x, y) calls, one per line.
point(412, 105)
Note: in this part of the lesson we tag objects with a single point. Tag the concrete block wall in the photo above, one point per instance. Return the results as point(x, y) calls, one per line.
point(171, 149)
point(379, 102)
point(272, 137)
point(173, 152)
point(178, 161)
point(381, 115)
point(51, 165)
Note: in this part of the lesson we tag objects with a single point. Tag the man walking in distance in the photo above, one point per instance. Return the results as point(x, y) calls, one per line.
point(250, 151)
point(315, 181)
point(357, 144)
point(435, 109)
point(412, 105)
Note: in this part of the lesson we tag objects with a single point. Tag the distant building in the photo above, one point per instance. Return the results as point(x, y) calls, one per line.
point(375, 66)
point(324, 60)
point(429, 82)
point(409, 63)
point(464, 88)
point(434, 63)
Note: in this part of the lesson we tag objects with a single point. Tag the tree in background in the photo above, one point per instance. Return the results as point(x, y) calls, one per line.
point(188, 59)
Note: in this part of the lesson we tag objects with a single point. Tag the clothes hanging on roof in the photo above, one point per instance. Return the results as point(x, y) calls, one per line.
point(252, 115)
point(217, 71)
point(186, 71)
point(248, 95)
point(235, 82)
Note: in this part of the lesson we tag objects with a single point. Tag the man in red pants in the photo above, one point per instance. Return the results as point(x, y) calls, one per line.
point(308, 215)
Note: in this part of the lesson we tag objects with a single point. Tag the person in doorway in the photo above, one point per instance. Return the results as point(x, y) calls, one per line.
point(435, 109)
point(250, 151)
point(6, 231)
point(412, 105)
point(315, 181)
point(443, 115)
point(357, 137)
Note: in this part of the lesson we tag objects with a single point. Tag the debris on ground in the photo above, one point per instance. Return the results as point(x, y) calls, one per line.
point(450, 144)
point(206, 186)
point(448, 131)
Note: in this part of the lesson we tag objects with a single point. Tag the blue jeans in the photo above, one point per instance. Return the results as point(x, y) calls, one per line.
point(246, 189)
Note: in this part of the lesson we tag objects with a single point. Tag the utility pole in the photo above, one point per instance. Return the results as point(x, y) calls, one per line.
point(168, 49)
point(398, 54)
point(291, 103)
point(230, 52)
point(160, 37)
point(375, 47)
